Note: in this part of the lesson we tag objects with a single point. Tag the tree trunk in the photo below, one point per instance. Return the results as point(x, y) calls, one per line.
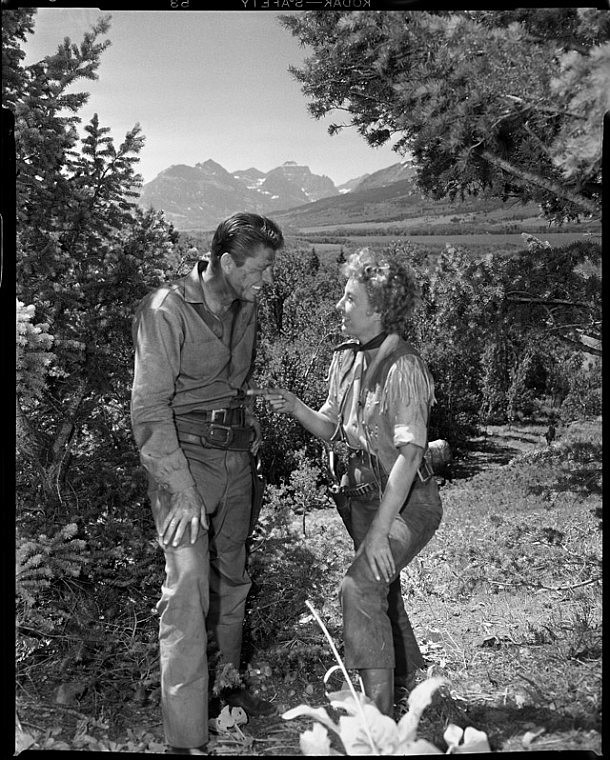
point(61, 446)
point(26, 445)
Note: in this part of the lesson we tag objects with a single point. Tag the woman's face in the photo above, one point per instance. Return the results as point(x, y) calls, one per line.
point(359, 320)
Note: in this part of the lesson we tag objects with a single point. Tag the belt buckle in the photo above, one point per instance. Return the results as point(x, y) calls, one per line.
point(218, 416)
point(225, 437)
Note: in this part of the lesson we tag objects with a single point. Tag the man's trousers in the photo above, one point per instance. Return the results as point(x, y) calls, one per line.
point(205, 590)
point(377, 632)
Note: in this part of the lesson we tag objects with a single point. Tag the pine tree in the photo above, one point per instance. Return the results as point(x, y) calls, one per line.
point(506, 103)
point(313, 261)
point(85, 252)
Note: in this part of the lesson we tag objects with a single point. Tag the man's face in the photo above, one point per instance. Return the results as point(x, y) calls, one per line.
point(247, 281)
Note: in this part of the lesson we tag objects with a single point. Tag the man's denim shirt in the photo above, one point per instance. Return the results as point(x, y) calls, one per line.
point(182, 366)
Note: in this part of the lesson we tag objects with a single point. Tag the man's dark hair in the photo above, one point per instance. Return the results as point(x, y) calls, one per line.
point(243, 232)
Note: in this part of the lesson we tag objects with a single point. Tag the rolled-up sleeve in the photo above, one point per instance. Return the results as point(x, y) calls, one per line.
point(409, 392)
point(158, 336)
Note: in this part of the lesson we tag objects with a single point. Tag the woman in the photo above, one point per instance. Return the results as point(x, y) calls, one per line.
point(379, 399)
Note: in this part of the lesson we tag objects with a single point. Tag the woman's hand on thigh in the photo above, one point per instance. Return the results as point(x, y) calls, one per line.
point(378, 552)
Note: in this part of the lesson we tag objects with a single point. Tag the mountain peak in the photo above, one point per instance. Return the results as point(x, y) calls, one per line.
point(199, 196)
point(211, 167)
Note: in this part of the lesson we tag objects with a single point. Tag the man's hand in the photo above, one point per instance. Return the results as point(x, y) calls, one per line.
point(376, 547)
point(186, 508)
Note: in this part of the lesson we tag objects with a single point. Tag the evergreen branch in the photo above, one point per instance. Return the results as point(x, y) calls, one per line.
point(544, 109)
point(533, 179)
point(581, 345)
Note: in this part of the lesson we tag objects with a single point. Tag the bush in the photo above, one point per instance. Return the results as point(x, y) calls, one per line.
point(42, 562)
point(287, 565)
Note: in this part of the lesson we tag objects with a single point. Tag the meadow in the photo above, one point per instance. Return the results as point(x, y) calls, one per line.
point(329, 244)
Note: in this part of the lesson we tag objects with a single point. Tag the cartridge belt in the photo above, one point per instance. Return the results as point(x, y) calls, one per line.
point(360, 490)
point(424, 473)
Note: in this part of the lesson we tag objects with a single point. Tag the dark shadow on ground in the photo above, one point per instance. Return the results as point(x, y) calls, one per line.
point(479, 455)
point(504, 723)
point(583, 482)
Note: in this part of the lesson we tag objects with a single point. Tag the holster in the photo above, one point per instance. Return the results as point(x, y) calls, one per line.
point(342, 502)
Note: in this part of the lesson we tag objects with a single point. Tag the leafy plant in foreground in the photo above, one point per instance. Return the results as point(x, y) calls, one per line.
point(365, 731)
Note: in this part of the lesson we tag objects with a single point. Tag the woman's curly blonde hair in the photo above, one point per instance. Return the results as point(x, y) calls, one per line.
point(391, 286)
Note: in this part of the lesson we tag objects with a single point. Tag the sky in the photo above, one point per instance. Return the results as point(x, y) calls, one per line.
point(207, 85)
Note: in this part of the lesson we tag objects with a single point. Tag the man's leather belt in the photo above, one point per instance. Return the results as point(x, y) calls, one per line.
point(230, 415)
point(220, 437)
point(216, 428)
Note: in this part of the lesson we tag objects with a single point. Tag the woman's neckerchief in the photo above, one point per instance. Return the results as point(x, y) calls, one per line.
point(355, 346)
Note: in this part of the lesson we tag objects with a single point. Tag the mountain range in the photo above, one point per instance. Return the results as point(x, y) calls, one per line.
point(197, 197)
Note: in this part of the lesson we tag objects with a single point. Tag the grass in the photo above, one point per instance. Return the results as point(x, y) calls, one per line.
point(506, 598)
point(513, 578)
point(505, 601)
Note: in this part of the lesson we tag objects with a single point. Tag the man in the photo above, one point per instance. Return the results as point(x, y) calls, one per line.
point(194, 346)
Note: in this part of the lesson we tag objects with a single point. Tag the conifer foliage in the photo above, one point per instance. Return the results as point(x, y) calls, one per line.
point(507, 102)
point(85, 255)
point(44, 558)
point(33, 355)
